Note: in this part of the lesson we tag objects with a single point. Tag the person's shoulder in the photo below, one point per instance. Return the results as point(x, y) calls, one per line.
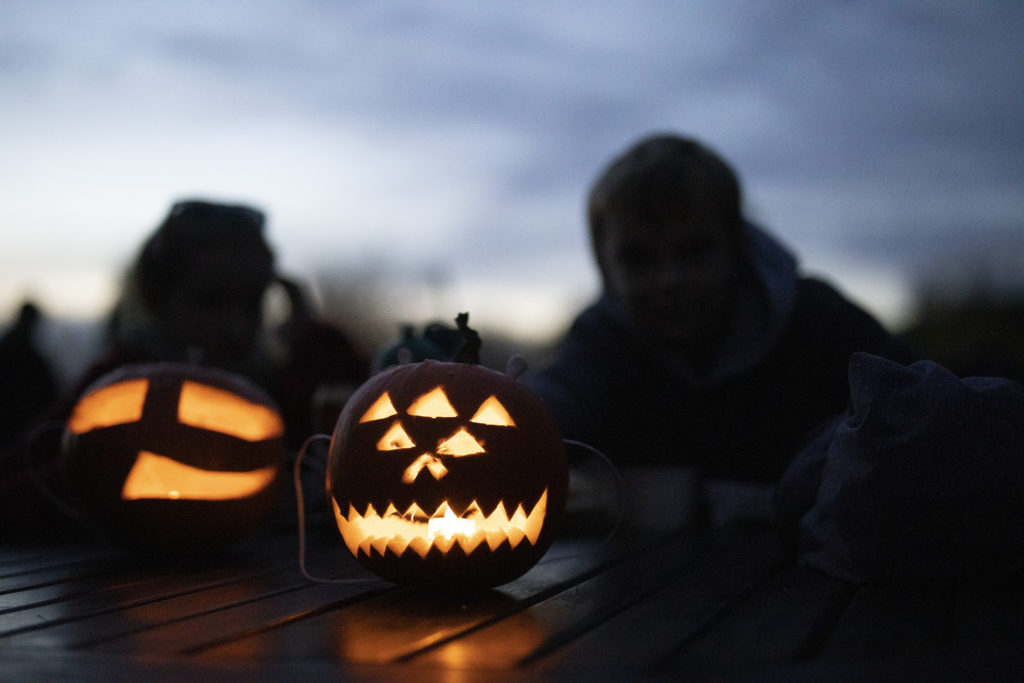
point(600, 316)
point(818, 287)
point(842, 323)
point(597, 337)
point(817, 296)
point(599, 330)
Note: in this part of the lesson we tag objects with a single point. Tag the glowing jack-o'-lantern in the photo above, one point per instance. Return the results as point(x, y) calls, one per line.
point(446, 473)
point(174, 459)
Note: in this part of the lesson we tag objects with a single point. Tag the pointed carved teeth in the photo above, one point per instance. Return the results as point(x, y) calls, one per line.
point(396, 531)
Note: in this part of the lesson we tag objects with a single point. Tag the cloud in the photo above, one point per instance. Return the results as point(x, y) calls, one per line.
point(422, 129)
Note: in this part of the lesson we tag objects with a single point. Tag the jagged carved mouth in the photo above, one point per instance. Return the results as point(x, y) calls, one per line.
point(155, 477)
point(418, 531)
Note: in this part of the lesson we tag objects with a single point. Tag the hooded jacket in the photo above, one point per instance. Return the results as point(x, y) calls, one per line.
point(780, 371)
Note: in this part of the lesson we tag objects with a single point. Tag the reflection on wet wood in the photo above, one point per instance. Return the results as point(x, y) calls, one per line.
point(663, 605)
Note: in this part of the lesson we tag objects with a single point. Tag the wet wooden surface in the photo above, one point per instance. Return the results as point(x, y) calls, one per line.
point(641, 605)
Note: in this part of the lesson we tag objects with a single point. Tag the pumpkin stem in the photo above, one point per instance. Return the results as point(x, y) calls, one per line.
point(469, 352)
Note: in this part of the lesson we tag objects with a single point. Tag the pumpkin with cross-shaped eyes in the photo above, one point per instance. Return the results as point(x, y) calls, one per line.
point(174, 459)
point(447, 473)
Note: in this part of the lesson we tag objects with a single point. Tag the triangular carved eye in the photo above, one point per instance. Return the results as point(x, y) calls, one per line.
point(460, 443)
point(395, 439)
point(434, 403)
point(381, 408)
point(491, 412)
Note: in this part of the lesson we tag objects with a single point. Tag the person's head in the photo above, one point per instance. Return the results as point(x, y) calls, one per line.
point(202, 276)
point(667, 232)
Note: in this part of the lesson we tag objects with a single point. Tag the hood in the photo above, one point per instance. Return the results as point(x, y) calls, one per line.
point(765, 301)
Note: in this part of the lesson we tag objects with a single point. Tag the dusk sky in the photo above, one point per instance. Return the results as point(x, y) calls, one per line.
point(454, 142)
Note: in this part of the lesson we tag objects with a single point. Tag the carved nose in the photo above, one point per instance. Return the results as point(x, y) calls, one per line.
point(425, 461)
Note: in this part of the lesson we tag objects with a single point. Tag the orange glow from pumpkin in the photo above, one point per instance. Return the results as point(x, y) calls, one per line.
point(222, 411)
point(394, 439)
point(450, 524)
point(434, 403)
point(382, 408)
point(459, 444)
point(110, 405)
point(157, 477)
point(491, 412)
point(417, 531)
point(425, 461)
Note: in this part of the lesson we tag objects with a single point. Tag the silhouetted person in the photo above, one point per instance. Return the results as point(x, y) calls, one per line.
point(195, 294)
point(707, 347)
point(195, 291)
point(27, 382)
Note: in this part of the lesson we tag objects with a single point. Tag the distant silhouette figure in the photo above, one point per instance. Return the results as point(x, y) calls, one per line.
point(707, 347)
point(196, 294)
point(27, 382)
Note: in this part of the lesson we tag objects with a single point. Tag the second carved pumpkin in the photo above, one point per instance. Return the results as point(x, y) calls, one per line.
point(173, 459)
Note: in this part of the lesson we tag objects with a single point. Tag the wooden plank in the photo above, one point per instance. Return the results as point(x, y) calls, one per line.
point(81, 612)
point(71, 622)
point(37, 665)
point(393, 627)
point(521, 636)
point(33, 575)
point(655, 627)
point(884, 620)
point(37, 597)
point(102, 578)
point(20, 559)
point(632, 608)
point(378, 631)
point(785, 620)
point(87, 595)
point(48, 574)
point(251, 613)
point(124, 610)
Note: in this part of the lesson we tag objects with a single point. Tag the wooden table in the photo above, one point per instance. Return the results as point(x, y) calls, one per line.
point(671, 606)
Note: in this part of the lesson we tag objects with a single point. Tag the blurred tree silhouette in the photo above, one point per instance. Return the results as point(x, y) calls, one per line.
point(972, 320)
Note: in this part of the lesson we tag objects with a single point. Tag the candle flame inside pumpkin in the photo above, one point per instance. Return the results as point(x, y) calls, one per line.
point(415, 530)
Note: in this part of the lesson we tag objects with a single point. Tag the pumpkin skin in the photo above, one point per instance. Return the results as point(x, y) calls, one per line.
point(174, 460)
point(417, 470)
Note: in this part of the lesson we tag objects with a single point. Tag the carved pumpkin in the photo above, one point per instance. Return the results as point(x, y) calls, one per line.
point(174, 459)
point(446, 473)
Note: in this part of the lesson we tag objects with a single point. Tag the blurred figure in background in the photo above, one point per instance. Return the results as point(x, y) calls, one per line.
point(28, 384)
point(196, 294)
point(195, 291)
point(707, 347)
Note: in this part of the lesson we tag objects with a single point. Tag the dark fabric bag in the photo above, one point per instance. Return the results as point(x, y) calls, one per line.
point(923, 478)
